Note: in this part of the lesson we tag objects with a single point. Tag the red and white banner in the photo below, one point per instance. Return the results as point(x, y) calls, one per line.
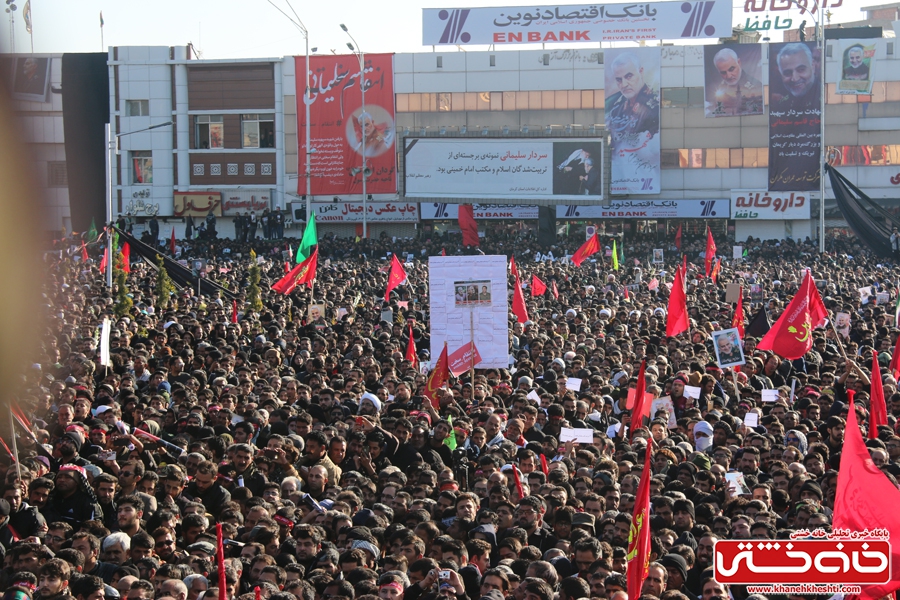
point(338, 125)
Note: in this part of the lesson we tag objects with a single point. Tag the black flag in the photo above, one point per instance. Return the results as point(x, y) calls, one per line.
point(760, 324)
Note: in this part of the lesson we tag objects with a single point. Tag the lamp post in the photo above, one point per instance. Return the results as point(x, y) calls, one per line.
point(112, 150)
point(362, 87)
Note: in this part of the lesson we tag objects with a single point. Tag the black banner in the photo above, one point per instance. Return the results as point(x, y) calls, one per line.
point(795, 115)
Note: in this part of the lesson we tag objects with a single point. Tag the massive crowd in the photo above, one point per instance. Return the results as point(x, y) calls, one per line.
point(333, 478)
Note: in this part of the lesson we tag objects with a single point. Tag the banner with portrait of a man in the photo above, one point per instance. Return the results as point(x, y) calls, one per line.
point(857, 67)
point(632, 77)
point(795, 114)
point(733, 80)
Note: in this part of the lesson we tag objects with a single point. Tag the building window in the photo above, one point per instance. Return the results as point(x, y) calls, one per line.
point(57, 175)
point(258, 131)
point(137, 108)
point(141, 167)
point(209, 131)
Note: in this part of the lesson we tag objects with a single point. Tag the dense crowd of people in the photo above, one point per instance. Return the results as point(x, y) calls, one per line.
point(311, 443)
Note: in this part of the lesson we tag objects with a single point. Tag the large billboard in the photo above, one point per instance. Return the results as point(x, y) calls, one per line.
point(484, 212)
point(646, 209)
point(469, 306)
point(508, 169)
point(632, 119)
point(338, 124)
point(733, 82)
point(795, 115)
point(376, 212)
point(576, 23)
point(750, 205)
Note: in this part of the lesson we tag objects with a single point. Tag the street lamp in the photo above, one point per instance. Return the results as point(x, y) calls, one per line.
point(362, 86)
point(113, 149)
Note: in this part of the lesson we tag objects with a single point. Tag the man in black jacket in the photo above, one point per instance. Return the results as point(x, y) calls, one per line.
point(206, 489)
point(72, 500)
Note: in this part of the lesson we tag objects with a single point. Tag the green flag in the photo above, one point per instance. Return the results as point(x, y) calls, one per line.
point(115, 242)
point(92, 232)
point(450, 440)
point(309, 240)
point(615, 257)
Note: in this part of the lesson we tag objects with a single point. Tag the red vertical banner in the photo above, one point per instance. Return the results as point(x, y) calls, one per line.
point(337, 123)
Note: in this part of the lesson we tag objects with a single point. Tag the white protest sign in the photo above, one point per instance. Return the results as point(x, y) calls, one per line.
point(582, 436)
point(574, 384)
point(692, 392)
point(770, 395)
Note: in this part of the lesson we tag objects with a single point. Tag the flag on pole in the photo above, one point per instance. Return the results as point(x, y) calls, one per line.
point(678, 238)
point(638, 556)
point(103, 261)
point(895, 360)
point(738, 319)
point(308, 241)
point(305, 272)
point(172, 242)
point(443, 252)
point(126, 257)
point(710, 250)
point(865, 497)
point(615, 257)
point(396, 277)
point(878, 412)
point(26, 14)
point(518, 480)
point(676, 314)
point(450, 440)
point(538, 287)
point(84, 253)
point(439, 376)
point(589, 247)
point(791, 336)
point(716, 269)
point(512, 266)
point(554, 290)
point(101, 19)
point(518, 305)
point(220, 559)
point(234, 311)
point(468, 226)
point(92, 232)
point(105, 330)
point(641, 406)
point(897, 312)
point(411, 351)
point(760, 324)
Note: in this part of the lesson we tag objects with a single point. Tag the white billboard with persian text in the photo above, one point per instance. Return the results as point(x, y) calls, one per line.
point(376, 212)
point(507, 169)
point(769, 206)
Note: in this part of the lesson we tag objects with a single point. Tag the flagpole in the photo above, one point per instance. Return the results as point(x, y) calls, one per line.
point(472, 347)
point(15, 446)
point(737, 390)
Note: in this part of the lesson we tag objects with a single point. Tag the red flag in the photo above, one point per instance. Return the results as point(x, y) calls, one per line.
point(877, 405)
point(234, 315)
point(220, 561)
point(554, 290)
point(865, 497)
point(544, 466)
point(641, 406)
point(287, 267)
point(439, 376)
point(738, 319)
point(715, 271)
point(678, 238)
point(627, 297)
point(518, 306)
point(639, 537)
point(676, 315)
point(684, 263)
point(710, 250)
point(126, 257)
point(518, 482)
point(411, 349)
point(512, 266)
point(395, 277)
point(304, 272)
point(172, 242)
point(589, 247)
point(791, 335)
point(103, 261)
point(538, 287)
point(443, 252)
point(895, 360)
point(84, 253)
point(467, 225)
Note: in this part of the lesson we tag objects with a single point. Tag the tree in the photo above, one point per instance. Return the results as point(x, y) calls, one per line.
point(253, 294)
point(164, 286)
point(123, 300)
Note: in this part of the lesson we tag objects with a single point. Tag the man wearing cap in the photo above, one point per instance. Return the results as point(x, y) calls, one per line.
point(676, 567)
point(72, 500)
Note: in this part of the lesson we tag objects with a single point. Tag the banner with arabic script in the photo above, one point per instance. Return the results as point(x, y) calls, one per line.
point(196, 204)
point(795, 116)
point(761, 206)
point(514, 169)
point(377, 212)
point(337, 120)
point(576, 23)
point(632, 119)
